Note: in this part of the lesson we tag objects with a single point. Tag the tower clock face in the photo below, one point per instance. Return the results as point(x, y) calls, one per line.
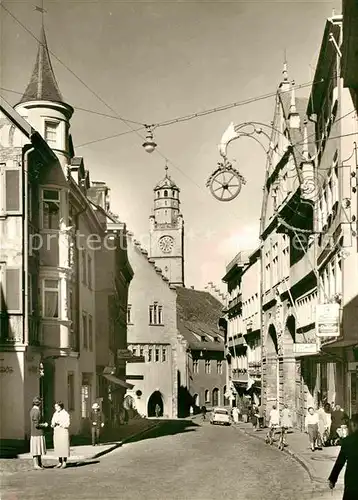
point(166, 244)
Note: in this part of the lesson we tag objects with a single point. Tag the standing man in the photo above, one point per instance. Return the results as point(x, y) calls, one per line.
point(37, 440)
point(97, 423)
point(349, 455)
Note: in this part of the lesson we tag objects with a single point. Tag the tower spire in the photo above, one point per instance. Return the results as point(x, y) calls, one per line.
point(43, 85)
point(285, 84)
point(284, 70)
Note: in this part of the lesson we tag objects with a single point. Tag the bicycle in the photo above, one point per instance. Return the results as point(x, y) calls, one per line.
point(282, 439)
point(270, 435)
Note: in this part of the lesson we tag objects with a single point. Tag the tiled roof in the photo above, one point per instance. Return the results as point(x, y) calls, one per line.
point(167, 182)
point(43, 85)
point(198, 312)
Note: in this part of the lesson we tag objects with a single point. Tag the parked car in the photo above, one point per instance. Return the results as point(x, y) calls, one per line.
point(220, 416)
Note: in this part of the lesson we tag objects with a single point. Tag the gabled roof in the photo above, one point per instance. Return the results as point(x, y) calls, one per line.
point(43, 85)
point(198, 312)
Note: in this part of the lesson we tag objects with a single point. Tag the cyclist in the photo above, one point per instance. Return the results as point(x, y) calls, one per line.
point(286, 423)
point(274, 423)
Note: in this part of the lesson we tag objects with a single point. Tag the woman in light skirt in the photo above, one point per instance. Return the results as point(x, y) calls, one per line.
point(61, 440)
point(37, 440)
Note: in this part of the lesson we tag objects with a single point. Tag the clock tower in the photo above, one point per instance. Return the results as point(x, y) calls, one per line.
point(166, 232)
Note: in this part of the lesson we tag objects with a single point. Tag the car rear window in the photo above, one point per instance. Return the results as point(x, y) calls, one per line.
point(221, 412)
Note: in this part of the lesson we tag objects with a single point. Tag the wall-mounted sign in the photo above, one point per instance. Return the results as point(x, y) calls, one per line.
point(136, 359)
point(305, 349)
point(327, 320)
point(124, 354)
point(6, 369)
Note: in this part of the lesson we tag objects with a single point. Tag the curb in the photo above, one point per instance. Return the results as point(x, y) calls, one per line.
point(292, 454)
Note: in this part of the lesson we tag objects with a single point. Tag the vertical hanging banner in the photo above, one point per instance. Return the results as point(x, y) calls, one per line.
point(327, 320)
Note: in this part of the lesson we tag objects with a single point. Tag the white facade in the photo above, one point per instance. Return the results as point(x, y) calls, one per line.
point(152, 334)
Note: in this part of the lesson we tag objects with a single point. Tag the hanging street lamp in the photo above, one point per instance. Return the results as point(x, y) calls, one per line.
point(149, 145)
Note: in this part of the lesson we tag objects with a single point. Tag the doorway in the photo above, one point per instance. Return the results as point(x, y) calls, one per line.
point(154, 401)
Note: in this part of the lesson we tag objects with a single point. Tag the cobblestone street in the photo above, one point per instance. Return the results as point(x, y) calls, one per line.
point(176, 462)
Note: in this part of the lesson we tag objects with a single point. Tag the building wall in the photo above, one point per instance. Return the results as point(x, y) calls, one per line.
point(146, 288)
point(201, 383)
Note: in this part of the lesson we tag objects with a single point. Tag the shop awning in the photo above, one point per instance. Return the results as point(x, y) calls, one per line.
point(340, 343)
point(117, 381)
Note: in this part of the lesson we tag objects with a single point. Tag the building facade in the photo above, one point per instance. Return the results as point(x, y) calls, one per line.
point(287, 257)
point(50, 242)
point(243, 315)
point(152, 336)
point(202, 377)
point(333, 110)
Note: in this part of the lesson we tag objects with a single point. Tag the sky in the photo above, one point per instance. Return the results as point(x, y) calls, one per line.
point(155, 61)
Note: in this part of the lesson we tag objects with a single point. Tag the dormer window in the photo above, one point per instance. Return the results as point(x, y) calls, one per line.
point(51, 133)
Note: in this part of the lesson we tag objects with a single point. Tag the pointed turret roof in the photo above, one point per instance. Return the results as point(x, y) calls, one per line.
point(167, 182)
point(43, 85)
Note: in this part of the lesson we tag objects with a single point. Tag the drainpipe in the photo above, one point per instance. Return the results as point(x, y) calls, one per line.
point(25, 246)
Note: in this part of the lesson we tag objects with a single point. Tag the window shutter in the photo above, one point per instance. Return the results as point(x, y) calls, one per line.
point(12, 290)
point(12, 190)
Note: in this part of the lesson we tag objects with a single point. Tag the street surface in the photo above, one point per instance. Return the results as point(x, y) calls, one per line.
point(178, 461)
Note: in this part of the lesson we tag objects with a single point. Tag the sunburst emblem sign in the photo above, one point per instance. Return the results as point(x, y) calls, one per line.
point(225, 182)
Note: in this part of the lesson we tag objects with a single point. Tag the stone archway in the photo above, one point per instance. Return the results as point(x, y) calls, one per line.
point(289, 338)
point(271, 342)
point(155, 400)
point(215, 397)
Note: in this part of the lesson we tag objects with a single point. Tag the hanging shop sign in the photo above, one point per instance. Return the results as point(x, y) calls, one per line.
point(327, 320)
point(305, 349)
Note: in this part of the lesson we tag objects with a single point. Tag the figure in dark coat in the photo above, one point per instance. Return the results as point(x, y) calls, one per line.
point(97, 423)
point(349, 455)
point(37, 439)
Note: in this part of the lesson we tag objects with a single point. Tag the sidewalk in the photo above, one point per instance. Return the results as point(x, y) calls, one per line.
point(82, 452)
point(318, 464)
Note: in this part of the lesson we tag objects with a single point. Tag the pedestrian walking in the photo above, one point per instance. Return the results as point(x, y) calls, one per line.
point(260, 412)
point(61, 438)
point(339, 419)
point(324, 423)
point(348, 455)
point(311, 427)
point(235, 415)
point(203, 412)
point(37, 439)
point(157, 411)
point(97, 423)
point(274, 423)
